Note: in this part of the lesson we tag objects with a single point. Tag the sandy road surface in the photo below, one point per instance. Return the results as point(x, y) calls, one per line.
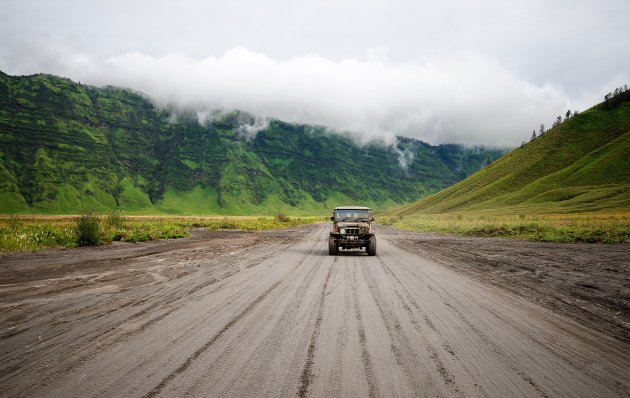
point(271, 314)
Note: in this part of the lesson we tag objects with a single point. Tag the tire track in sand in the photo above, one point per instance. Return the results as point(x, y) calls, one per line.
point(182, 368)
point(278, 333)
point(401, 346)
point(365, 354)
point(147, 360)
point(492, 346)
point(307, 371)
point(445, 375)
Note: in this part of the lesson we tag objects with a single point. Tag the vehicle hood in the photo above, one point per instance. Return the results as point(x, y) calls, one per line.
point(345, 224)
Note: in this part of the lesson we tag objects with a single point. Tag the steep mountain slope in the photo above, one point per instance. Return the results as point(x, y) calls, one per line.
point(581, 165)
point(65, 147)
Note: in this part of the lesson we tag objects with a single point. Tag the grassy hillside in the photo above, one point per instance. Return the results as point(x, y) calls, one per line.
point(67, 147)
point(570, 184)
point(582, 165)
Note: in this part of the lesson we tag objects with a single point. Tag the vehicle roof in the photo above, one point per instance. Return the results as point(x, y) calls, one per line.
point(352, 208)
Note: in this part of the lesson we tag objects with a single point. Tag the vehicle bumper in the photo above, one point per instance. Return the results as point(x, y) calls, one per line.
point(351, 241)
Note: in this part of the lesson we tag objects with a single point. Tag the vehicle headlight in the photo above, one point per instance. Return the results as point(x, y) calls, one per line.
point(342, 231)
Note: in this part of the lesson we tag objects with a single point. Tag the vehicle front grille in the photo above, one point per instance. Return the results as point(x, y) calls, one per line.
point(352, 231)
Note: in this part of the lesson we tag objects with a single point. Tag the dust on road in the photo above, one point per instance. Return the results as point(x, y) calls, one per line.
point(271, 314)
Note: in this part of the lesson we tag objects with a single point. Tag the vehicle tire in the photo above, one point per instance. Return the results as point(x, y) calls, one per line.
point(332, 247)
point(371, 247)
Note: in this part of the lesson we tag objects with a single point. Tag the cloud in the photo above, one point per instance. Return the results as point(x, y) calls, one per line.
point(482, 72)
point(405, 156)
point(467, 98)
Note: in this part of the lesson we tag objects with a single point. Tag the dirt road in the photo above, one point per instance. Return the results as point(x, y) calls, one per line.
point(271, 314)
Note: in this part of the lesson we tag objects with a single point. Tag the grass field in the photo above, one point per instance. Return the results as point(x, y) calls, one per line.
point(32, 233)
point(604, 227)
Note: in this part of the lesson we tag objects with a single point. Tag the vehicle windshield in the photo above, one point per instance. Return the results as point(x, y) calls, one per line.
point(352, 214)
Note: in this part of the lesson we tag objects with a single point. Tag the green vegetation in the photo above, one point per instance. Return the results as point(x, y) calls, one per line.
point(570, 184)
point(66, 148)
point(579, 166)
point(39, 232)
point(584, 227)
point(88, 230)
point(114, 219)
point(18, 234)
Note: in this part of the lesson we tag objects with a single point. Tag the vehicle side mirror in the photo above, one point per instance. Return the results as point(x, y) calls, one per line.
point(372, 219)
point(332, 218)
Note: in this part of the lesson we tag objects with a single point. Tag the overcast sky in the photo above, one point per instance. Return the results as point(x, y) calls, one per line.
point(476, 72)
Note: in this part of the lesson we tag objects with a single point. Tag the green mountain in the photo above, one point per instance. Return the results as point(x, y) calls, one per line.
point(67, 147)
point(581, 165)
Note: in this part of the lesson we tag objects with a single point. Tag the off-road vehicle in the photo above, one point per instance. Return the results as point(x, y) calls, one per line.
point(351, 229)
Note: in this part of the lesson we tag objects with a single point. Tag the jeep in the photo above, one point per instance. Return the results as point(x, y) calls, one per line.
point(351, 229)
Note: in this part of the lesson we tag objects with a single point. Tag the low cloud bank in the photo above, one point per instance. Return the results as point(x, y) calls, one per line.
point(468, 98)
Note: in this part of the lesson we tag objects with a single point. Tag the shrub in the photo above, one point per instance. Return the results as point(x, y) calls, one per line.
point(15, 223)
point(386, 221)
point(282, 218)
point(114, 219)
point(88, 230)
